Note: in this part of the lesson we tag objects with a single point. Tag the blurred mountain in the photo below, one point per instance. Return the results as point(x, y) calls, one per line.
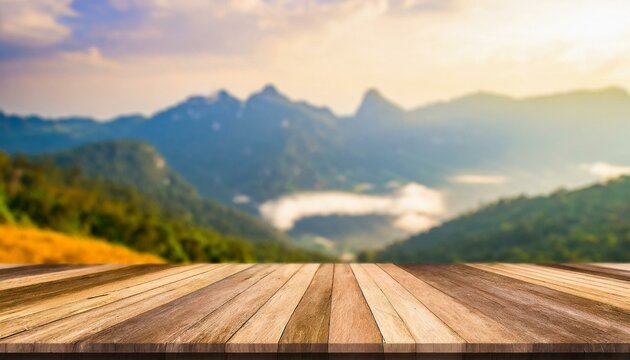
point(142, 167)
point(269, 145)
point(590, 224)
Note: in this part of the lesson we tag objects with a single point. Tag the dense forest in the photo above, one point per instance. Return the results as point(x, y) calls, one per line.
point(39, 193)
point(591, 224)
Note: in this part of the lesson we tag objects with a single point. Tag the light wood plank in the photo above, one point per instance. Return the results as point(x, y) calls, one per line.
point(30, 269)
point(352, 326)
point(57, 275)
point(61, 336)
point(211, 333)
point(482, 333)
point(618, 266)
point(569, 320)
point(587, 292)
point(594, 270)
point(61, 307)
point(307, 330)
point(597, 282)
point(147, 333)
point(429, 332)
point(396, 336)
point(12, 266)
point(262, 332)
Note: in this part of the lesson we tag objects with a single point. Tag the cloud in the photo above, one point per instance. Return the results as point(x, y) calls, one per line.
point(178, 48)
point(413, 206)
point(90, 57)
point(605, 171)
point(478, 179)
point(34, 23)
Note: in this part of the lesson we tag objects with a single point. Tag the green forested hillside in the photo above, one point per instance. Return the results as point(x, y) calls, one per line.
point(141, 166)
point(592, 224)
point(37, 192)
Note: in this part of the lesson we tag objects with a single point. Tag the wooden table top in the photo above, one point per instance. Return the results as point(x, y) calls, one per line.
point(315, 308)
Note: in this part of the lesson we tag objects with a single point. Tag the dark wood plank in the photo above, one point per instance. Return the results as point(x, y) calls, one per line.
point(307, 329)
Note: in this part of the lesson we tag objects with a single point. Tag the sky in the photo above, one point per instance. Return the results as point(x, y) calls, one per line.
point(109, 57)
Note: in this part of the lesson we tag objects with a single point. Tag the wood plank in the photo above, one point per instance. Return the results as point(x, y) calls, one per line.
point(61, 307)
point(428, 331)
point(396, 335)
point(571, 277)
point(584, 290)
point(594, 270)
point(28, 270)
point(26, 295)
point(240, 311)
point(571, 323)
point(481, 333)
point(211, 333)
point(11, 266)
point(262, 332)
point(57, 275)
point(146, 333)
point(624, 267)
point(61, 336)
point(352, 326)
point(307, 330)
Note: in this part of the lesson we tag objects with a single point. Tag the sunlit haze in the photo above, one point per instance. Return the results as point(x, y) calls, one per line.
point(104, 58)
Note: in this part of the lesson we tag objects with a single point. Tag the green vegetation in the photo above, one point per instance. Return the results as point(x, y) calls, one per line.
point(142, 167)
point(591, 224)
point(38, 192)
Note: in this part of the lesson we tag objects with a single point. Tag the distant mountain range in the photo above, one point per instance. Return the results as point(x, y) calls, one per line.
point(591, 224)
point(244, 153)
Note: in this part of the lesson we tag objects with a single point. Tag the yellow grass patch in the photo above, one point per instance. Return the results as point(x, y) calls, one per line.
point(22, 245)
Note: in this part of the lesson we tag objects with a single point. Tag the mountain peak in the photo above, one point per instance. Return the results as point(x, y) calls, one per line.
point(269, 89)
point(375, 103)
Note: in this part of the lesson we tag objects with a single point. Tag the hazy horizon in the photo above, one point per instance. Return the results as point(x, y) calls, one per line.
point(350, 113)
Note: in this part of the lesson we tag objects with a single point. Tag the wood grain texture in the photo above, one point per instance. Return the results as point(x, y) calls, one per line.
point(262, 332)
point(307, 330)
point(64, 334)
point(429, 332)
point(481, 333)
point(570, 322)
point(274, 311)
point(613, 292)
point(211, 333)
point(396, 335)
point(352, 326)
point(594, 270)
point(56, 275)
point(146, 332)
point(49, 310)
